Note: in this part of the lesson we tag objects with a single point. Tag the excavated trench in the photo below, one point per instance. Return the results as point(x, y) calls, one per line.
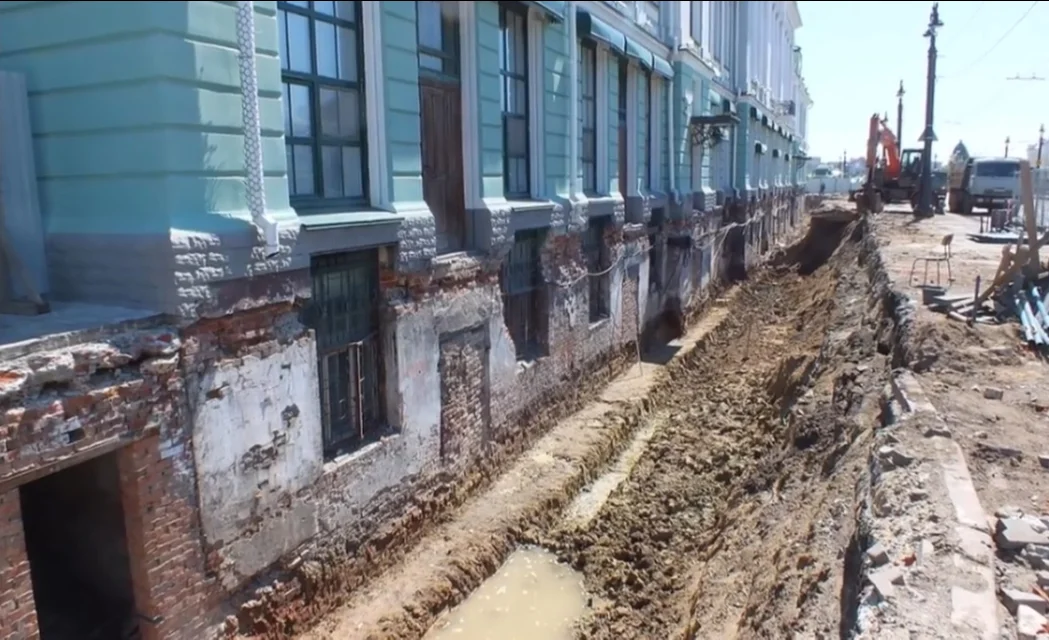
point(733, 513)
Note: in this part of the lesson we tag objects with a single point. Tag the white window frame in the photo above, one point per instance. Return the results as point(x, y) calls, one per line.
point(375, 106)
point(654, 124)
point(601, 124)
point(536, 125)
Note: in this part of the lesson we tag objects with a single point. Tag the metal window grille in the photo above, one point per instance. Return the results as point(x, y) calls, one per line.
point(346, 299)
point(523, 290)
point(597, 261)
point(513, 67)
point(588, 115)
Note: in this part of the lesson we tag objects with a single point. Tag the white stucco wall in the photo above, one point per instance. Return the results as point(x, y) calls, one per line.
point(256, 442)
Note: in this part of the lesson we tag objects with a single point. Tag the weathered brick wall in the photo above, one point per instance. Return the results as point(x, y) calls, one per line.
point(465, 386)
point(122, 393)
point(17, 611)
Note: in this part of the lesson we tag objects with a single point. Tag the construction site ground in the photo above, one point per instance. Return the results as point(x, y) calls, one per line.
point(773, 473)
point(985, 387)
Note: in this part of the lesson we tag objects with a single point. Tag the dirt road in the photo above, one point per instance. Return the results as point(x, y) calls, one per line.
point(737, 520)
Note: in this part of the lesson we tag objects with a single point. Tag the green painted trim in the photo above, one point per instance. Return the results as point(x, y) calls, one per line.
point(348, 219)
point(555, 11)
point(639, 53)
point(662, 67)
point(587, 26)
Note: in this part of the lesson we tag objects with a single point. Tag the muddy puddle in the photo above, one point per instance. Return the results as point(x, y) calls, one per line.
point(531, 597)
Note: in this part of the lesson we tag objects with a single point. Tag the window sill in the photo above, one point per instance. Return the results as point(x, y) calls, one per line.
point(598, 324)
point(337, 462)
point(529, 205)
point(313, 220)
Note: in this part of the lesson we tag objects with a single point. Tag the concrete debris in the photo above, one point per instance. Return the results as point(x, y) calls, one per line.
point(1030, 625)
point(1044, 461)
point(1037, 555)
point(938, 431)
point(894, 458)
point(993, 393)
point(1043, 579)
point(1017, 533)
point(884, 579)
point(877, 554)
point(1013, 598)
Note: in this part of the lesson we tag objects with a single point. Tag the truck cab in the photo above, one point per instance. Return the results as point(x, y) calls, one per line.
point(989, 183)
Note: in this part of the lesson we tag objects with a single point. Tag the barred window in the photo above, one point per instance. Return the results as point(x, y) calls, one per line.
point(524, 294)
point(346, 305)
point(598, 260)
point(513, 68)
point(655, 251)
point(588, 115)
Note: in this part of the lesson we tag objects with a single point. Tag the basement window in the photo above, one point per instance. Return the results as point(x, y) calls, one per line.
point(349, 352)
point(598, 263)
point(524, 295)
point(655, 249)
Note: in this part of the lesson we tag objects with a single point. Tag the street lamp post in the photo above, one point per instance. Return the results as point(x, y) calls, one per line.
point(1006, 146)
point(1041, 140)
point(899, 113)
point(928, 136)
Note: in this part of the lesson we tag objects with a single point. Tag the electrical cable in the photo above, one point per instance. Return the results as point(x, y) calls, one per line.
point(1001, 39)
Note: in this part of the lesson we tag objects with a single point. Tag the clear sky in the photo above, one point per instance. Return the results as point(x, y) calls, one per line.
point(856, 53)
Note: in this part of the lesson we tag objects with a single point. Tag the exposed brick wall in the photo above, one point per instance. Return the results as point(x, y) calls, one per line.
point(17, 611)
point(138, 385)
point(465, 418)
point(57, 403)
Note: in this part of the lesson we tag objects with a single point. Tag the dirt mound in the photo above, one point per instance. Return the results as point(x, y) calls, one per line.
point(731, 524)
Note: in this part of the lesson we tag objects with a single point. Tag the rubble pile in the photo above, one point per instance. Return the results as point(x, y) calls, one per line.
point(1023, 573)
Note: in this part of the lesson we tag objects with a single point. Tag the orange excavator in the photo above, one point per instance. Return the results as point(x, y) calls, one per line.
point(891, 176)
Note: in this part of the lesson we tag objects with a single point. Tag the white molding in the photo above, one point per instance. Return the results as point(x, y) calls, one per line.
point(375, 106)
point(575, 163)
point(470, 107)
point(628, 27)
point(671, 164)
point(601, 124)
point(536, 111)
point(633, 181)
point(655, 166)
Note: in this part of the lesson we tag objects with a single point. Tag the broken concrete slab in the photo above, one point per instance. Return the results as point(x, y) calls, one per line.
point(884, 579)
point(1013, 598)
point(993, 393)
point(1016, 533)
point(877, 554)
point(1030, 625)
point(1042, 577)
point(893, 457)
point(938, 431)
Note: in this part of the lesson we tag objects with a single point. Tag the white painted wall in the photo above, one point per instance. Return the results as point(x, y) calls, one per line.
point(256, 440)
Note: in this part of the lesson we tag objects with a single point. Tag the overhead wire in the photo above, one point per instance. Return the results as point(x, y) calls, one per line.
point(1001, 39)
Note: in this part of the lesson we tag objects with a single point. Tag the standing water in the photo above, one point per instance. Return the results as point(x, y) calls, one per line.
point(531, 597)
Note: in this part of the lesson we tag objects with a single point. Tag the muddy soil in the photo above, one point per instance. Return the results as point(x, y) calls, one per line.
point(738, 520)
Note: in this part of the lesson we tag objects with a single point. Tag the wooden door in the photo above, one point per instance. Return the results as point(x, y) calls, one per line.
point(442, 161)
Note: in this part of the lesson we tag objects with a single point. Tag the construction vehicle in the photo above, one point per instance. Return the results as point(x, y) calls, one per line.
point(891, 176)
point(987, 183)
